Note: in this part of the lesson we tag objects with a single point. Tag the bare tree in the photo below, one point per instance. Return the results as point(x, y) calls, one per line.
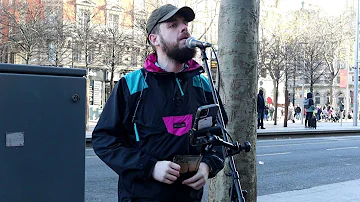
point(140, 36)
point(334, 43)
point(26, 24)
point(57, 47)
point(275, 64)
point(314, 64)
point(115, 46)
point(212, 11)
point(85, 38)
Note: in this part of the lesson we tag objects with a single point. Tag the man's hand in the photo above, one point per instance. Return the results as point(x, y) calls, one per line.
point(166, 172)
point(199, 179)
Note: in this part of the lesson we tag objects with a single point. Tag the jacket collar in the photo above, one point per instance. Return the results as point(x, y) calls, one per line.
point(150, 65)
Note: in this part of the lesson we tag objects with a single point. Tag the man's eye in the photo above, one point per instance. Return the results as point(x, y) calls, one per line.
point(173, 25)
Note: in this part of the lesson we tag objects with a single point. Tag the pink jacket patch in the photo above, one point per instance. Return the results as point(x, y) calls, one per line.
point(178, 125)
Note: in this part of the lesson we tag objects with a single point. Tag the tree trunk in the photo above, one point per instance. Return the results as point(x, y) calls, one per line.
point(238, 51)
point(112, 66)
point(27, 58)
point(293, 98)
point(276, 101)
point(331, 92)
point(87, 115)
point(286, 108)
point(286, 99)
point(112, 80)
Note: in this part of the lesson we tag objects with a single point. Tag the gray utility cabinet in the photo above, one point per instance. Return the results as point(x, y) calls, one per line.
point(42, 134)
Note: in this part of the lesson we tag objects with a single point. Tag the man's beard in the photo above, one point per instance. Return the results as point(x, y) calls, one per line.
point(174, 52)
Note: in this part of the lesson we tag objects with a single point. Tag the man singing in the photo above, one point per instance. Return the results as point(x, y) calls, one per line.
point(146, 120)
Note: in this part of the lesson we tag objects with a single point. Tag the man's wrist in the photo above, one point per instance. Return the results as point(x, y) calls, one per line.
point(207, 167)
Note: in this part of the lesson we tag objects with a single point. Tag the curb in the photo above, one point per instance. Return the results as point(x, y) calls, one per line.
point(308, 132)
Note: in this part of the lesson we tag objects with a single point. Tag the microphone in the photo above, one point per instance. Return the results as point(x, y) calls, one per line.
point(192, 43)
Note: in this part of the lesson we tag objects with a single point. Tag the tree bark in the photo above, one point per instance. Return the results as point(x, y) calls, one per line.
point(87, 104)
point(331, 92)
point(276, 101)
point(112, 67)
point(238, 57)
point(286, 99)
point(286, 108)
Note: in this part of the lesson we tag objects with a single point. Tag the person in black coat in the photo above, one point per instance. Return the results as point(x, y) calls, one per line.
point(260, 109)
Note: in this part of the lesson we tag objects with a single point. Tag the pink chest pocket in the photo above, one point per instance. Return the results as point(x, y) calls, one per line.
point(178, 125)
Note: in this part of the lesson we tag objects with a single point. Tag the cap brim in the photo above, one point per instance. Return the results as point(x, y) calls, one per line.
point(185, 11)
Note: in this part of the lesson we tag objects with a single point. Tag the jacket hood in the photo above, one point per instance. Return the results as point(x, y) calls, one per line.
point(150, 65)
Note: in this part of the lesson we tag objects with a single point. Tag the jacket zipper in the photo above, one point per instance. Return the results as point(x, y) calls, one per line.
point(178, 83)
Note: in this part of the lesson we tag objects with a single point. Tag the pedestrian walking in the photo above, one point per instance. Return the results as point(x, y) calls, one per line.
point(260, 109)
point(309, 107)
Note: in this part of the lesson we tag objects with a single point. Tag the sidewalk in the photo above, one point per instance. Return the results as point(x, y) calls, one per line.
point(92, 125)
point(292, 128)
point(297, 128)
point(343, 191)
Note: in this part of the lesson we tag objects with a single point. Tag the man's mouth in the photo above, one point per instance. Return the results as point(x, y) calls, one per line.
point(184, 37)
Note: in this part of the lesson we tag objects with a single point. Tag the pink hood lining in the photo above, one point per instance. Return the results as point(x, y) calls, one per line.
point(151, 67)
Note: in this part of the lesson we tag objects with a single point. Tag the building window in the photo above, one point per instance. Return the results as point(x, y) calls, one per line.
point(317, 98)
point(134, 56)
point(328, 99)
point(340, 98)
point(52, 52)
point(91, 56)
point(263, 72)
point(77, 53)
point(139, 3)
point(113, 22)
point(12, 58)
point(84, 18)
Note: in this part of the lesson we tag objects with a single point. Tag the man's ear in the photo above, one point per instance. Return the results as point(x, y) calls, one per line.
point(154, 39)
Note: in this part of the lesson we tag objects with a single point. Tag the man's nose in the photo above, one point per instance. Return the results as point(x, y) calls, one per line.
point(184, 27)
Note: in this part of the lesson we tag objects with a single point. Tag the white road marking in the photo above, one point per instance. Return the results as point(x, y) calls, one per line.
point(341, 148)
point(313, 138)
point(297, 144)
point(88, 157)
point(273, 154)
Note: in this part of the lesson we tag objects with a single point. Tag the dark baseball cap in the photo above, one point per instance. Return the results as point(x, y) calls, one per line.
point(165, 12)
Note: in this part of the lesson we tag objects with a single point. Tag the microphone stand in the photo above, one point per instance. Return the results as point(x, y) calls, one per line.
point(238, 195)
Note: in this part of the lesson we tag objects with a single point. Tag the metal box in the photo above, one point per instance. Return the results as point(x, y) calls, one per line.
point(42, 134)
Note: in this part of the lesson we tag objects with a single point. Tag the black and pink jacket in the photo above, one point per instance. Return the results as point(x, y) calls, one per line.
point(147, 119)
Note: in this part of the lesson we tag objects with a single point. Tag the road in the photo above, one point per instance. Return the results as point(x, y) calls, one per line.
point(294, 164)
point(100, 180)
point(282, 165)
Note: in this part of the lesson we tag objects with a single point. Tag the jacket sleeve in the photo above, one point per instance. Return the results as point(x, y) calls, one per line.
point(311, 102)
point(215, 159)
point(111, 140)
